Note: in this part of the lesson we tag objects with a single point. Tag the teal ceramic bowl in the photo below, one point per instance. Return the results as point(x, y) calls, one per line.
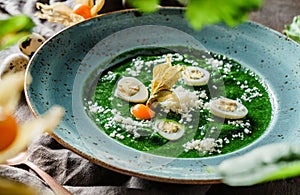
point(65, 69)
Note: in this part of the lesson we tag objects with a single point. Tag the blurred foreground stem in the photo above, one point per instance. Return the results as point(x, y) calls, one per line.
point(14, 28)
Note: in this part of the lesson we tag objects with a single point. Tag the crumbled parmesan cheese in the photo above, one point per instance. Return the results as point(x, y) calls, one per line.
point(207, 145)
point(214, 62)
point(131, 126)
point(189, 100)
point(242, 124)
point(109, 76)
point(94, 108)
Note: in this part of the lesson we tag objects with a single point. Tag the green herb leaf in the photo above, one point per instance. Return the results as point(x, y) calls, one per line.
point(202, 12)
point(145, 5)
point(15, 24)
point(291, 169)
point(266, 163)
point(293, 30)
point(13, 28)
point(11, 39)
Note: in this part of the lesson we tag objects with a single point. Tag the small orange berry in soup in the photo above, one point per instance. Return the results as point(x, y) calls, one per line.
point(142, 112)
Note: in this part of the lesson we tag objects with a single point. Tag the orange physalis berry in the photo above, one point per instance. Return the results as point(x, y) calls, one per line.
point(83, 10)
point(142, 112)
point(8, 132)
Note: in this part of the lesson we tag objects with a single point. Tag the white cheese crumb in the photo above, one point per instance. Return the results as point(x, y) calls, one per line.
point(188, 101)
point(207, 145)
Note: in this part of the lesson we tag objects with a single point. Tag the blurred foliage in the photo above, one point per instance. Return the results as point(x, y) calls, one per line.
point(14, 28)
point(263, 164)
point(293, 30)
point(198, 13)
point(203, 12)
point(145, 5)
point(13, 187)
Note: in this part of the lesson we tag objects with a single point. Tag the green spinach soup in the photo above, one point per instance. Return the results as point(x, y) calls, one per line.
point(184, 105)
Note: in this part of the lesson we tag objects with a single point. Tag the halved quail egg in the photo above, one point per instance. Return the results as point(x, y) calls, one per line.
point(195, 76)
point(169, 129)
point(132, 90)
point(227, 108)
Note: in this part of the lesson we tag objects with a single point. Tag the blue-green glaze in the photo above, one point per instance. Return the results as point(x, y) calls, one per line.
point(64, 71)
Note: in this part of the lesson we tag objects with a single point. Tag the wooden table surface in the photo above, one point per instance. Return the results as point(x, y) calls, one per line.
point(276, 14)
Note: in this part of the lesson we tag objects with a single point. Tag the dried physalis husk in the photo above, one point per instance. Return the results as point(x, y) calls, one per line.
point(11, 87)
point(61, 13)
point(29, 130)
point(95, 6)
point(164, 77)
point(58, 12)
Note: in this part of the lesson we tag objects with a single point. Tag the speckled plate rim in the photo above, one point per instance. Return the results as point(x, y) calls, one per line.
point(119, 169)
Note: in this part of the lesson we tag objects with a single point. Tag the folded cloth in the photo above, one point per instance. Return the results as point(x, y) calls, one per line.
point(81, 176)
point(24, 177)
point(69, 168)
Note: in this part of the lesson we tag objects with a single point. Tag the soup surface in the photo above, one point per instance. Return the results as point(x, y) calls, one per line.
point(183, 110)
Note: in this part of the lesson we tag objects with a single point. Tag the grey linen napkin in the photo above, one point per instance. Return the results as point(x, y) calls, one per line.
point(83, 177)
point(80, 176)
point(77, 174)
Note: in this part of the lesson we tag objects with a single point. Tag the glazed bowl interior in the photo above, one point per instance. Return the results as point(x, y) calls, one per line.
point(66, 69)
